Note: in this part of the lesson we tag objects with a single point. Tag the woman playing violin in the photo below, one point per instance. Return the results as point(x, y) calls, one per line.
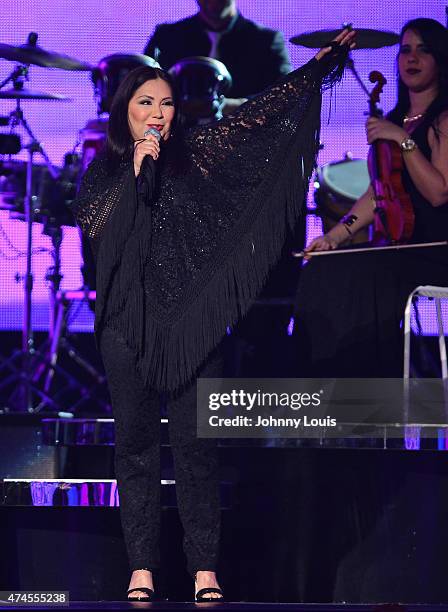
point(349, 307)
point(419, 125)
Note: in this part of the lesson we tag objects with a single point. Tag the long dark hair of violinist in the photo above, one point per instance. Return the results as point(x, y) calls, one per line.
point(435, 37)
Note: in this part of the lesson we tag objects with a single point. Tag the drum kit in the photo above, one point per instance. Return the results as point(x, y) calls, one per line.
point(29, 191)
point(43, 193)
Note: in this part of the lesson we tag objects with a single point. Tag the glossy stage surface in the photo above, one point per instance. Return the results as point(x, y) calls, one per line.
point(414, 436)
point(234, 606)
point(58, 493)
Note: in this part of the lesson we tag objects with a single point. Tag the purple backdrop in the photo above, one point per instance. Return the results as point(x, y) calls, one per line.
point(89, 30)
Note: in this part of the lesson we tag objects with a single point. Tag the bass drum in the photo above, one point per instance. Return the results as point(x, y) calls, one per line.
point(12, 184)
point(52, 195)
point(338, 186)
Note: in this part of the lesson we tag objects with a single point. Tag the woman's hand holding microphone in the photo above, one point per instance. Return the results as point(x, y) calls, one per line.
point(147, 146)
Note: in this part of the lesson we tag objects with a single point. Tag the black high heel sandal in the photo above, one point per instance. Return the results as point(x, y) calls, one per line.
point(199, 595)
point(149, 593)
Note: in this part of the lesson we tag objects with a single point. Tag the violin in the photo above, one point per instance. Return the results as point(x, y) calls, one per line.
point(394, 214)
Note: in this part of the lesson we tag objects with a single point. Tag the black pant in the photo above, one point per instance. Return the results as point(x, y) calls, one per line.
point(137, 462)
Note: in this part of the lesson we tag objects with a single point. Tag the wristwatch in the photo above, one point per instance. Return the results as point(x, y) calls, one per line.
point(408, 145)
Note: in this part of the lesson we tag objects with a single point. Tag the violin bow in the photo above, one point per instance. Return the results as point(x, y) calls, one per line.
point(392, 247)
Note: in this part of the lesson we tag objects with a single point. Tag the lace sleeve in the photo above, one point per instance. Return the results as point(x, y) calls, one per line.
point(261, 121)
point(98, 195)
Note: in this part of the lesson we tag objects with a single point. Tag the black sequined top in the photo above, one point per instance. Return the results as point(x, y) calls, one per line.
point(173, 273)
point(431, 222)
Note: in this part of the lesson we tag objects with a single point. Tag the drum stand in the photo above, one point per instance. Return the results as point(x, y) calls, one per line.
point(22, 397)
point(57, 341)
point(93, 386)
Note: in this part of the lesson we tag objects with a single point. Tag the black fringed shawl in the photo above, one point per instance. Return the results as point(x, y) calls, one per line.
point(172, 275)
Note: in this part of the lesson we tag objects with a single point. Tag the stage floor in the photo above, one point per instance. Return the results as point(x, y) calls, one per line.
point(233, 606)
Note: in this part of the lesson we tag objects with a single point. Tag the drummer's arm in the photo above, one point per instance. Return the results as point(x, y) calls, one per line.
point(359, 216)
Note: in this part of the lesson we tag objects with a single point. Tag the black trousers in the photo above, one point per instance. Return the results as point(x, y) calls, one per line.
point(137, 462)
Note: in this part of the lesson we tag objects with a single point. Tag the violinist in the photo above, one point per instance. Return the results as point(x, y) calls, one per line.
point(355, 328)
point(419, 125)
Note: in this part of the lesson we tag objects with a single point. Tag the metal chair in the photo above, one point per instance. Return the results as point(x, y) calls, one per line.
point(437, 293)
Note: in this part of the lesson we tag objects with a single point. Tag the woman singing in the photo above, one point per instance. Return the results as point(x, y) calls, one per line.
point(353, 327)
point(183, 244)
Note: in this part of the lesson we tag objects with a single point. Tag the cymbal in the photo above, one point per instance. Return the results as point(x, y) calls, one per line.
point(33, 54)
point(29, 94)
point(365, 38)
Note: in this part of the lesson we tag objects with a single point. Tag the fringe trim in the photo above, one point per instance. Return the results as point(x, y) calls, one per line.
point(170, 353)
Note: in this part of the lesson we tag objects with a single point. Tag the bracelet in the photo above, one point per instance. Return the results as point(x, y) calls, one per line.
point(347, 221)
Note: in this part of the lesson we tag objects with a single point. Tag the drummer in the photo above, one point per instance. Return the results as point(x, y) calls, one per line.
point(254, 55)
point(350, 307)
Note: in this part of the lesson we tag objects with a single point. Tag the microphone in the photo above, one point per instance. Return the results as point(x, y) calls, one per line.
point(148, 160)
point(148, 168)
point(154, 131)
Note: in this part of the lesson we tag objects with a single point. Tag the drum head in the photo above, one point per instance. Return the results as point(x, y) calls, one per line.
point(349, 179)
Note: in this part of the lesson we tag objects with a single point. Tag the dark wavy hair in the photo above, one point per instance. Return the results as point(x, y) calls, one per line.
point(120, 144)
point(435, 37)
